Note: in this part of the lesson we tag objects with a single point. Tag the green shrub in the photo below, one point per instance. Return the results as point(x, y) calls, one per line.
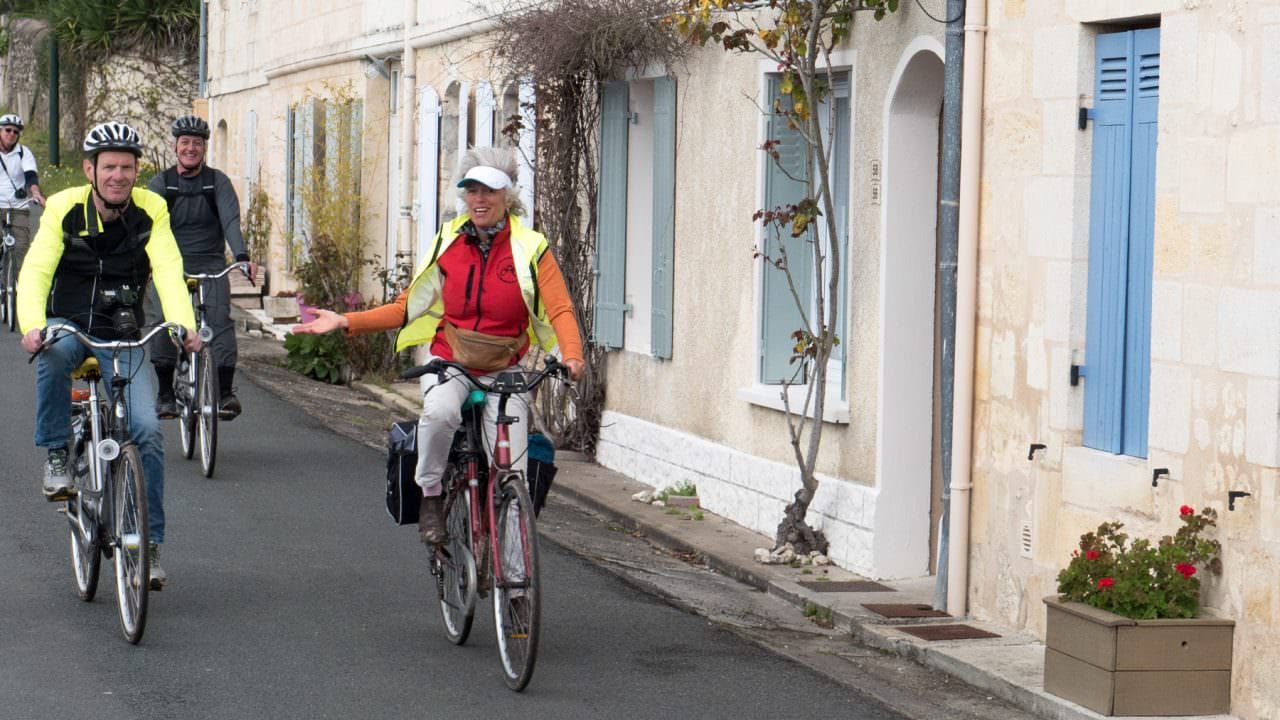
point(319, 356)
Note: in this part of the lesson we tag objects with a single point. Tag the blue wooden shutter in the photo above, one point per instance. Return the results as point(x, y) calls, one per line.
point(785, 183)
point(611, 239)
point(1108, 238)
point(664, 220)
point(1142, 220)
point(1121, 231)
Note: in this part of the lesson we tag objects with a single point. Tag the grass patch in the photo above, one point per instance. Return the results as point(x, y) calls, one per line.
point(818, 614)
point(682, 489)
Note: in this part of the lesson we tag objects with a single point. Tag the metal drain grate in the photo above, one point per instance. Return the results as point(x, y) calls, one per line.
point(854, 586)
point(947, 632)
point(904, 610)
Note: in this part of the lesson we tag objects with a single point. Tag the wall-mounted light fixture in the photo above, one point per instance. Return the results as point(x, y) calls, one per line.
point(376, 66)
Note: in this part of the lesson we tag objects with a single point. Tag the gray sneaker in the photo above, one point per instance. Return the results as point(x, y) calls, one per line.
point(158, 578)
point(57, 483)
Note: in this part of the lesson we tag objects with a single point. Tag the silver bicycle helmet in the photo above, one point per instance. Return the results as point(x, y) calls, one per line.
point(190, 125)
point(112, 136)
point(11, 119)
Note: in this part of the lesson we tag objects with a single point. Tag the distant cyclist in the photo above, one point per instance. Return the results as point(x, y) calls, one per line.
point(20, 185)
point(205, 215)
point(97, 248)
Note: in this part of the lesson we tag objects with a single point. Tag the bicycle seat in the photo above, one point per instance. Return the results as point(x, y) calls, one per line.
point(88, 370)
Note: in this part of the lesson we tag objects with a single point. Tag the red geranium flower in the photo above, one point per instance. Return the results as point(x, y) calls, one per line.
point(1105, 582)
point(1186, 569)
point(1092, 554)
point(1186, 510)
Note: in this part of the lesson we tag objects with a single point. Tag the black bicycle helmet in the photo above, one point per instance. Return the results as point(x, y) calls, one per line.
point(190, 125)
point(112, 136)
point(11, 119)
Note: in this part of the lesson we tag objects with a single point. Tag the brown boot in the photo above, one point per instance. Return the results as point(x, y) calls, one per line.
point(431, 527)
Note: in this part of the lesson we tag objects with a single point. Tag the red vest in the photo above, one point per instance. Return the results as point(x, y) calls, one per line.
point(481, 293)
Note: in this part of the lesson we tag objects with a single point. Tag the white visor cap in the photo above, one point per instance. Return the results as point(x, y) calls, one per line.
point(490, 177)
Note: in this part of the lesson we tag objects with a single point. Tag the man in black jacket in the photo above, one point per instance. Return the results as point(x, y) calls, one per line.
point(205, 215)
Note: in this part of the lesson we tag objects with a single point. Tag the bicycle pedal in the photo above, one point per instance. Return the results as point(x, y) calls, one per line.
point(61, 496)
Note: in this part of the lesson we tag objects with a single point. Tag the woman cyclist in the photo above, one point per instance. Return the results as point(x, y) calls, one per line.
point(487, 288)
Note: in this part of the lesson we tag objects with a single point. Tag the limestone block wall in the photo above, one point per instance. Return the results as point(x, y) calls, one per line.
point(1215, 321)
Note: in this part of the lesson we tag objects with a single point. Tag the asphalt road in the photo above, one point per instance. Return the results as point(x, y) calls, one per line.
point(293, 596)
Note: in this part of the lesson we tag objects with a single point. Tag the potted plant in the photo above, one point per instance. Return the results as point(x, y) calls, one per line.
point(1124, 635)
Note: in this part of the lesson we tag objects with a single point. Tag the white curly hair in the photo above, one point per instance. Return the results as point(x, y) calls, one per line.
point(503, 159)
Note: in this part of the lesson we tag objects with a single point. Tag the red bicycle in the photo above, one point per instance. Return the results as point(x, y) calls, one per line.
point(492, 544)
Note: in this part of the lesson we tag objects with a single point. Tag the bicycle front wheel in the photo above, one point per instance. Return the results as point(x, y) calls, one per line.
point(456, 571)
point(207, 403)
point(132, 541)
point(184, 392)
point(516, 597)
point(10, 292)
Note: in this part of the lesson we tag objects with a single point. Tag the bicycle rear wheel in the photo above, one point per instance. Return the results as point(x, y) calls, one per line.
point(207, 406)
point(516, 596)
point(132, 540)
point(83, 522)
point(184, 391)
point(86, 560)
point(456, 571)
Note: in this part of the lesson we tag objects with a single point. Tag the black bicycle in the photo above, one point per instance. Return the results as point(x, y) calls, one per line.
point(108, 513)
point(492, 541)
point(195, 384)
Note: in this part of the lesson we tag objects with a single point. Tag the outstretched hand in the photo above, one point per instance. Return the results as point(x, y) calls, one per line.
point(326, 321)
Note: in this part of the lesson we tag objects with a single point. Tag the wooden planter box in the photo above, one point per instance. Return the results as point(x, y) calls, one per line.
point(1117, 666)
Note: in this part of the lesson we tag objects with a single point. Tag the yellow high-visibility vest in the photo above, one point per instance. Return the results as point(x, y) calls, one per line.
point(424, 307)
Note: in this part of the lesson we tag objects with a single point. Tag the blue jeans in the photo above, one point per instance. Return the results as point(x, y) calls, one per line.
point(53, 411)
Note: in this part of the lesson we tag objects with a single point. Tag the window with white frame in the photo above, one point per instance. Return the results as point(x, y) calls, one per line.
point(785, 184)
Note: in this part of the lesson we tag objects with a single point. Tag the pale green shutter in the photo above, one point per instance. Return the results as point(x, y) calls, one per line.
point(611, 240)
point(785, 183)
point(664, 221)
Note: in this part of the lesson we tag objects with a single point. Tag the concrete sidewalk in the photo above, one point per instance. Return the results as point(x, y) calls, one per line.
point(1010, 667)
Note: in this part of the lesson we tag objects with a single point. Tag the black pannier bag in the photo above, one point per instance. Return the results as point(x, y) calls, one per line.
point(404, 497)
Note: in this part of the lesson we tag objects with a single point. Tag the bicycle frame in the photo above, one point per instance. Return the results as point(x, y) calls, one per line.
point(500, 514)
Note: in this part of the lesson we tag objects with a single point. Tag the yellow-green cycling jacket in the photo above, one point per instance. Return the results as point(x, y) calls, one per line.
point(75, 257)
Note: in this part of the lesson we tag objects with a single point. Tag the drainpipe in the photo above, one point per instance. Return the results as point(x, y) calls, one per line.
point(408, 80)
point(975, 34)
point(203, 52)
point(948, 226)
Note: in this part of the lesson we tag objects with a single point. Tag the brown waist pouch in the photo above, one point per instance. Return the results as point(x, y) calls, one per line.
point(481, 351)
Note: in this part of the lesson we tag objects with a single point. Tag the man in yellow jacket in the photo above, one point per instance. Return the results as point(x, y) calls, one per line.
point(89, 264)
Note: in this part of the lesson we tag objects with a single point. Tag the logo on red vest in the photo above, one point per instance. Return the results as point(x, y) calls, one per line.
point(507, 273)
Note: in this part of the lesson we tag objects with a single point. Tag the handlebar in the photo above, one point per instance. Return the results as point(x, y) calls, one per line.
point(50, 334)
point(508, 382)
point(242, 266)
